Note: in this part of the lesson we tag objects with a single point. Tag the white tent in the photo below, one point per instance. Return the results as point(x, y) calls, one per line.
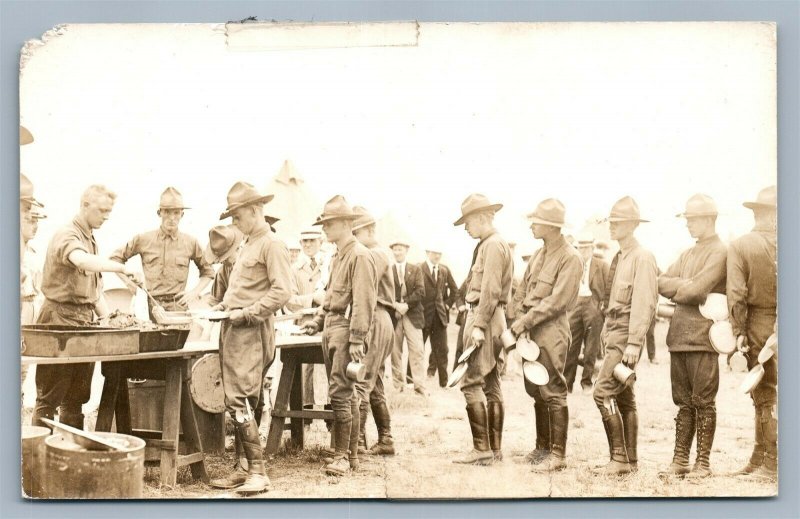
point(294, 203)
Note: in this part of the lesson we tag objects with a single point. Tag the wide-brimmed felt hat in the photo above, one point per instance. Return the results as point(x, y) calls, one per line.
point(25, 136)
point(549, 212)
point(241, 195)
point(171, 198)
point(625, 210)
point(476, 203)
point(767, 199)
point(223, 240)
point(336, 208)
point(26, 191)
point(37, 214)
point(699, 205)
point(364, 218)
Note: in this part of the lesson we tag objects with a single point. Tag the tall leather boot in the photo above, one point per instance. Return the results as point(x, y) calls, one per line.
point(257, 480)
point(70, 418)
point(618, 465)
point(559, 424)
point(385, 445)
point(630, 423)
point(496, 416)
point(706, 427)
point(769, 431)
point(757, 456)
point(341, 434)
point(684, 435)
point(542, 447)
point(481, 453)
point(363, 411)
point(355, 430)
point(42, 412)
point(240, 465)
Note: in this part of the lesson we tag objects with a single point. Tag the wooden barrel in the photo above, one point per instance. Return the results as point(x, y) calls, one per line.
point(71, 471)
point(33, 454)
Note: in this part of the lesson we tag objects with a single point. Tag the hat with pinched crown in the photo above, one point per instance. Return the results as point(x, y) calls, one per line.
point(171, 198)
point(476, 203)
point(336, 208)
point(699, 205)
point(549, 212)
point(625, 210)
point(241, 195)
point(767, 199)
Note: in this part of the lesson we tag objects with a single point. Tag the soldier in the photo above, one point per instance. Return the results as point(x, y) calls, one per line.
point(487, 294)
point(72, 288)
point(548, 288)
point(166, 253)
point(379, 342)
point(752, 300)
point(30, 277)
point(258, 287)
point(694, 364)
point(345, 319)
point(629, 311)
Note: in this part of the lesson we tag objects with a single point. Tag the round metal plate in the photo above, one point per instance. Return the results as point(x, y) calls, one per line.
point(715, 307)
point(527, 348)
point(457, 374)
point(466, 354)
point(738, 363)
point(721, 336)
point(535, 373)
point(205, 386)
point(752, 378)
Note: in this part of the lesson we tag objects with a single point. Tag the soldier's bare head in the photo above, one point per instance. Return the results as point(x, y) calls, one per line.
point(96, 205)
point(249, 218)
point(479, 224)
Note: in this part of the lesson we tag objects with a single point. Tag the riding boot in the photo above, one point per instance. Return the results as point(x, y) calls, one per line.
point(385, 445)
point(340, 464)
point(559, 424)
point(618, 465)
point(542, 447)
point(769, 431)
point(706, 427)
point(363, 411)
point(355, 429)
point(684, 435)
point(757, 456)
point(496, 415)
point(240, 466)
point(70, 418)
point(481, 453)
point(257, 480)
point(630, 422)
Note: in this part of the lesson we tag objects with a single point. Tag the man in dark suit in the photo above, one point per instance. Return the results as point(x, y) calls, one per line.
point(408, 318)
point(440, 294)
point(586, 317)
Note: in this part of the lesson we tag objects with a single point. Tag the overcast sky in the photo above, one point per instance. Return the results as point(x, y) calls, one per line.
point(586, 113)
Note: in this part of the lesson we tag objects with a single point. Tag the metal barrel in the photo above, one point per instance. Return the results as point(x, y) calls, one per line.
point(33, 454)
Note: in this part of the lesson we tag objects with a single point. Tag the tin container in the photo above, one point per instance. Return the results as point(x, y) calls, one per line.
point(624, 374)
point(166, 339)
point(356, 371)
point(33, 452)
point(53, 340)
point(508, 339)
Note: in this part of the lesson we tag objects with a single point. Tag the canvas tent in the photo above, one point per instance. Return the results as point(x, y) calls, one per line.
point(294, 203)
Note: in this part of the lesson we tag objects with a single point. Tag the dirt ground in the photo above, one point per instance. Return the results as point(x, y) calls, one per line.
point(430, 432)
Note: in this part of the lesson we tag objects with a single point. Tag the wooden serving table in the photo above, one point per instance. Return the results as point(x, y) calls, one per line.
point(173, 368)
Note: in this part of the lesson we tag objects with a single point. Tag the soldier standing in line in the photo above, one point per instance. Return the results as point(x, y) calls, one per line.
point(694, 363)
point(488, 292)
point(633, 295)
point(753, 303)
point(345, 319)
point(548, 288)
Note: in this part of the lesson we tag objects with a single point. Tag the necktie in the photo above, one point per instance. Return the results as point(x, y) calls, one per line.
point(313, 264)
point(435, 272)
point(611, 272)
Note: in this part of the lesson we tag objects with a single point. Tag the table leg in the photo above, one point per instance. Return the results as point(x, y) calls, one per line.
point(108, 399)
point(170, 424)
point(296, 404)
point(281, 404)
point(123, 411)
point(191, 432)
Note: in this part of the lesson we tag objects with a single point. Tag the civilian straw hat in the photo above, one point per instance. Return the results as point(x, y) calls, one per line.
point(241, 195)
point(625, 210)
point(336, 208)
point(584, 239)
point(699, 205)
point(476, 203)
point(767, 199)
point(549, 212)
point(223, 240)
point(171, 198)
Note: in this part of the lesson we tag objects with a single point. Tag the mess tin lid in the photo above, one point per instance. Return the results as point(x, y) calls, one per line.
point(752, 379)
point(457, 374)
point(527, 348)
point(715, 307)
point(466, 354)
point(535, 373)
point(721, 336)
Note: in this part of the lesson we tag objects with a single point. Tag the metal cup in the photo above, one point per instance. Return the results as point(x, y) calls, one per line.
point(508, 339)
point(624, 374)
point(356, 371)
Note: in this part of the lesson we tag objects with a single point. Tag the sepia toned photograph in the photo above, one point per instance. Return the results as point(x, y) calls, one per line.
point(399, 260)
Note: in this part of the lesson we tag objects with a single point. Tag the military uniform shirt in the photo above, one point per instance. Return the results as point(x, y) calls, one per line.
point(62, 281)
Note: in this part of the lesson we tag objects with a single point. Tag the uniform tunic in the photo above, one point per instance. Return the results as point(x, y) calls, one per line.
point(70, 298)
point(548, 288)
point(694, 364)
point(753, 299)
point(631, 309)
point(259, 286)
point(487, 293)
point(165, 261)
point(348, 312)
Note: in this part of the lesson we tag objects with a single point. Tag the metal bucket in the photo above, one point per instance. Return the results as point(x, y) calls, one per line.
point(71, 471)
point(33, 451)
